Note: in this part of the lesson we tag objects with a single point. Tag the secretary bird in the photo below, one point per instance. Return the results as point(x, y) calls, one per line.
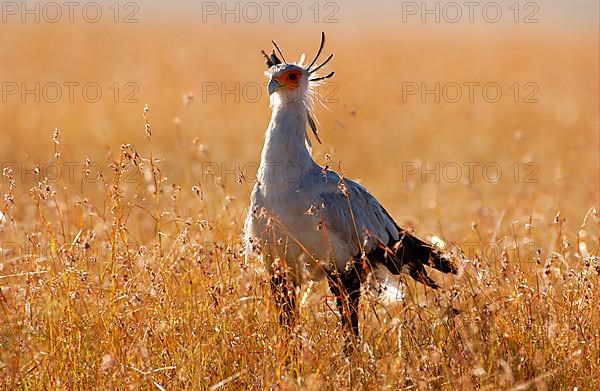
point(305, 217)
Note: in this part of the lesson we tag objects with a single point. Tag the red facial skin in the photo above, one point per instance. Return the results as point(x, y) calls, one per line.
point(290, 79)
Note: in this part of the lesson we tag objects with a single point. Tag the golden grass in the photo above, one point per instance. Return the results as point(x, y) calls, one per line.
point(135, 279)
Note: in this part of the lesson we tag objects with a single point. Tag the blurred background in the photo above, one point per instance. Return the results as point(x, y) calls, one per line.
point(446, 111)
point(130, 135)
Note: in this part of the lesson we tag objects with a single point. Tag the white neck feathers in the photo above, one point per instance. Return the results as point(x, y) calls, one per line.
point(285, 155)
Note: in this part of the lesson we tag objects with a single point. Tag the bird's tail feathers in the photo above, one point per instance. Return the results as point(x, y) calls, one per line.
point(411, 247)
point(409, 255)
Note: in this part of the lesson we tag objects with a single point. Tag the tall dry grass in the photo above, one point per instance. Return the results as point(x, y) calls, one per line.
point(135, 279)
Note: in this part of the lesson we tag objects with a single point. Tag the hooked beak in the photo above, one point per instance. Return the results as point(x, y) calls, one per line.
point(274, 86)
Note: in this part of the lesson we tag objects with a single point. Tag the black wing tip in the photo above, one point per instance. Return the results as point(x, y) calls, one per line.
point(429, 254)
point(441, 262)
point(410, 255)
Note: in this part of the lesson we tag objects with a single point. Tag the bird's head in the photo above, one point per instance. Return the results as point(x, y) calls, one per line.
point(289, 79)
point(293, 81)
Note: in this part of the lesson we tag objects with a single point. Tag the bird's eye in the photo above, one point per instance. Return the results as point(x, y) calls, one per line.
point(293, 76)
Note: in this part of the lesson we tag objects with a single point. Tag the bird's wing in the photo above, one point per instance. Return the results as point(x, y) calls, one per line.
point(355, 223)
point(351, 213)
point(355, 217)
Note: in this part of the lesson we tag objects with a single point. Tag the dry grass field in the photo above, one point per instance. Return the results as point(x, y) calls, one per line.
point(121, 263)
